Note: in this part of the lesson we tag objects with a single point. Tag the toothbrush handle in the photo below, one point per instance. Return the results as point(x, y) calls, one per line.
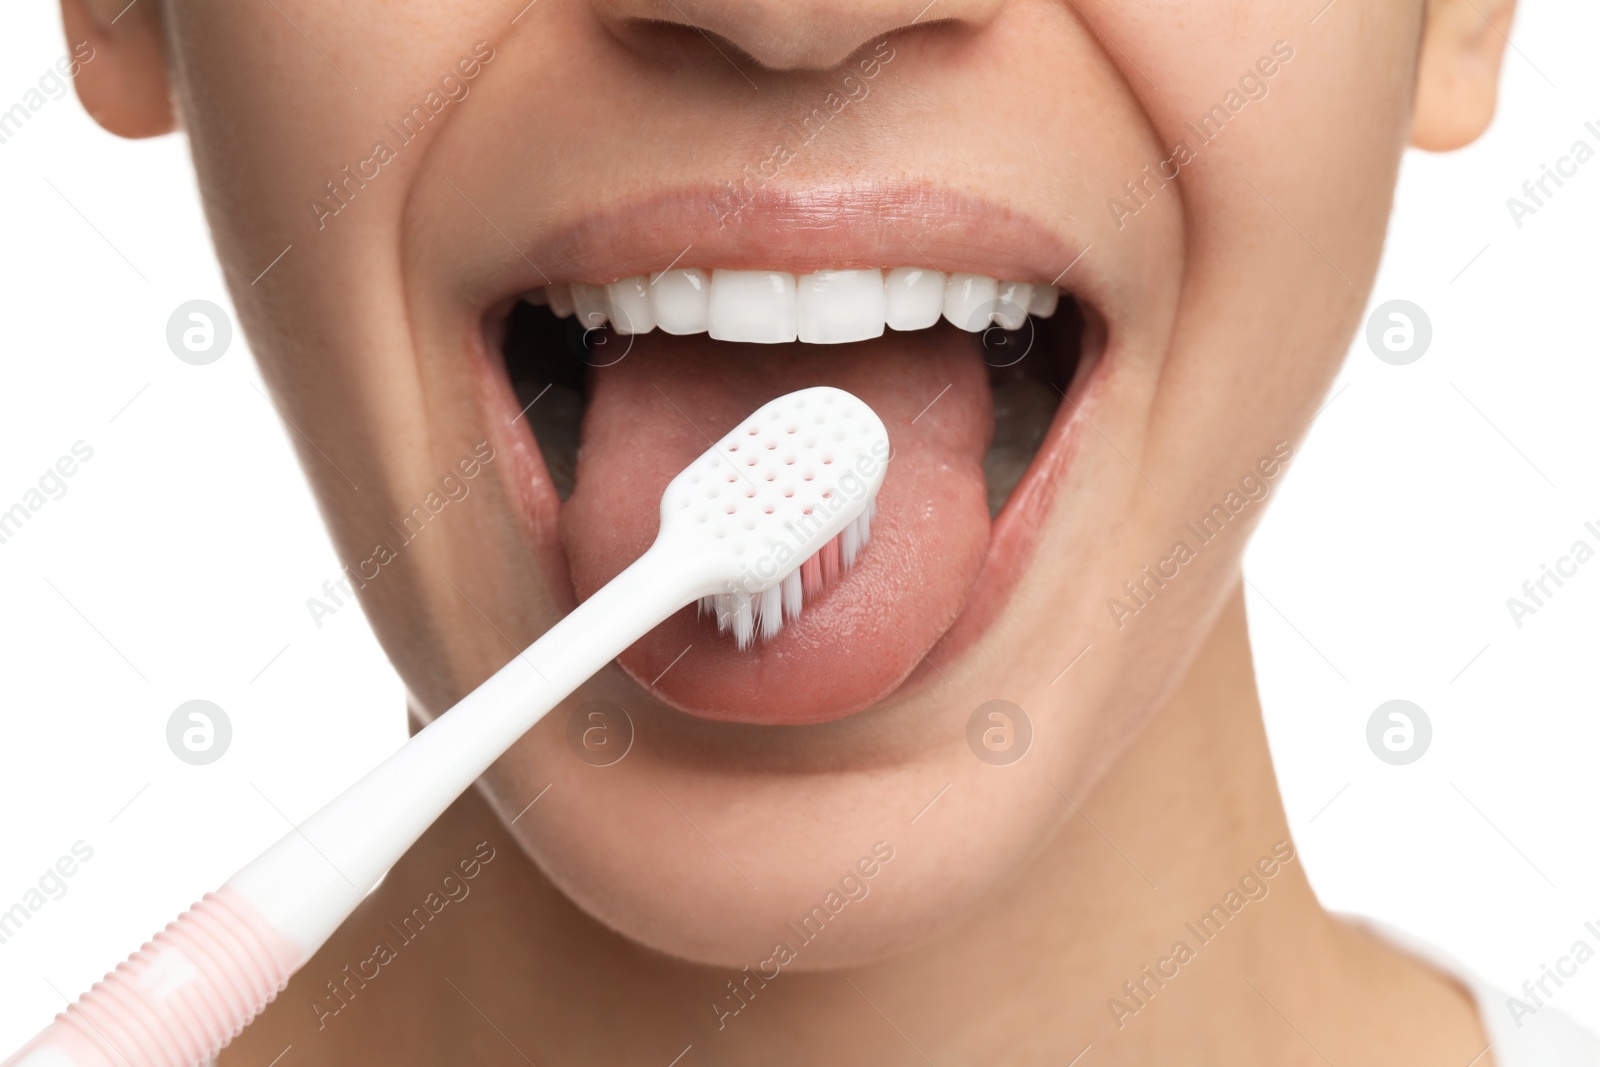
point(179, 999)
point(195, 985)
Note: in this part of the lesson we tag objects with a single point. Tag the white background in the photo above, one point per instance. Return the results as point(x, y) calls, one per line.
point(178, 564)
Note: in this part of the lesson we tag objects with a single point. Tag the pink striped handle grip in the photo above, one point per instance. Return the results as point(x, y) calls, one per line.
point(179, 999)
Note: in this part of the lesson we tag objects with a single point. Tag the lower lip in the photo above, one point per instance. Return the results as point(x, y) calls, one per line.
point(1013, 537)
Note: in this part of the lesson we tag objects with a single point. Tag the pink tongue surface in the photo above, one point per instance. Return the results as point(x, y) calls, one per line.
point(654, 411)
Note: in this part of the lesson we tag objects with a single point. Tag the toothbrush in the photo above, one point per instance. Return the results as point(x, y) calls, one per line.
point(766, 518)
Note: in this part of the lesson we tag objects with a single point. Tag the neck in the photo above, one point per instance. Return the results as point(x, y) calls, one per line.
point(1167, 920)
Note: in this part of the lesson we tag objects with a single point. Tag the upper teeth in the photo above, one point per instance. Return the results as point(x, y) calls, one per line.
point(770, 307)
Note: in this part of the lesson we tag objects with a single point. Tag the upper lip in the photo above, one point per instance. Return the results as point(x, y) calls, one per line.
point(802, 230)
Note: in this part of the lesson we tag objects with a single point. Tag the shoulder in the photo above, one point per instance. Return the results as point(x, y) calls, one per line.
point(1524, 1030)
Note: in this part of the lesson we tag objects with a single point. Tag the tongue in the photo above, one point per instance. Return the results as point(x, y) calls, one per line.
point(653, 412)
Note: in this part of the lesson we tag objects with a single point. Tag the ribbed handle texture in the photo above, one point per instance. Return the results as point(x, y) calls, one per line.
point(178, 1000)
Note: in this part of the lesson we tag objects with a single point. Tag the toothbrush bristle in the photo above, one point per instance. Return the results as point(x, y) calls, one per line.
point(750, 616)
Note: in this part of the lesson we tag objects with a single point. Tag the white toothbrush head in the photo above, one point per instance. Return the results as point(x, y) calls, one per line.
point(784, 502)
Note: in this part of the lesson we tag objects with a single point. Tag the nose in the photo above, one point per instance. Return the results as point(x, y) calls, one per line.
point(796, 34)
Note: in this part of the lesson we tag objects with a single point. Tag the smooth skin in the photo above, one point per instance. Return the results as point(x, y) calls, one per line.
point(1016, 906)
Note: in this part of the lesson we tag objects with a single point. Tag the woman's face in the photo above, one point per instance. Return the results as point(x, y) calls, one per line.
point(1208, 189)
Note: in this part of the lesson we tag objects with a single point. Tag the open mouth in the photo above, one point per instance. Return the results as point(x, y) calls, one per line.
point(1026, 337)
point(622, 381)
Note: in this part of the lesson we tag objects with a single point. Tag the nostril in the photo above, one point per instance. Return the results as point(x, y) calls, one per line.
point(675, 32)
point(745, 39)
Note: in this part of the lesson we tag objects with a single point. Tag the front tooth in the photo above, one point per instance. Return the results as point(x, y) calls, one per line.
point(759, 306)
point(969, 301)
point(590, 304)
point(560, 296)
point(630, 305)
point(1011, 304)
point(914, 297)
point(837, 306)
point(535, 297)
point(680, 300)
point(1043, 304)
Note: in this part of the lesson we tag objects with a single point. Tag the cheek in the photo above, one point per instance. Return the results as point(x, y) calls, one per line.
point(1284, 201)
point(1315, 153)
